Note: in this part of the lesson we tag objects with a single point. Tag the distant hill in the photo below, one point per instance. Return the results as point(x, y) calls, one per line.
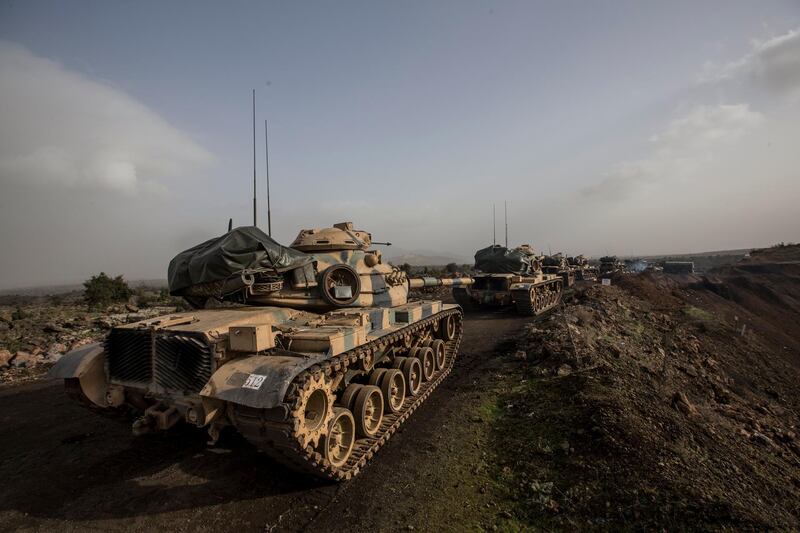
point(397, 256)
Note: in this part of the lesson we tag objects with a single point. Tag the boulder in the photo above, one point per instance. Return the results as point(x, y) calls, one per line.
point(5, 358)
point(24, 359)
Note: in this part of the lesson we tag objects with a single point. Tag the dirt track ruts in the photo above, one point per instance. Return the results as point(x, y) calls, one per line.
point(64, 468)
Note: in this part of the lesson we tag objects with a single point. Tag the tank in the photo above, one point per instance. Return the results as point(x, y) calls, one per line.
point(583, 270)
point(557, 264)
point(610, 264)
point(508, 278)
point(314, 353)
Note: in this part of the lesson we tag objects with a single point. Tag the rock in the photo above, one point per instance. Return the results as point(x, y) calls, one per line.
point(682, 404)
point(131, 308)
point(52, 328)
point(5, 316)
point(762, 439)
point(25, 359)
point(520, 354)
point(56, 351)
point(564, 370)
point(5, 326)
point(5, 358)
point(105, 322)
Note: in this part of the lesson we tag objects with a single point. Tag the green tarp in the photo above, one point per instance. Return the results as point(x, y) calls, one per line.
point(500, 260)
point(245, 249)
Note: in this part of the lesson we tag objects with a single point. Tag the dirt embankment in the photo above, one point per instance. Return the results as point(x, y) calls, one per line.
point(659, 402)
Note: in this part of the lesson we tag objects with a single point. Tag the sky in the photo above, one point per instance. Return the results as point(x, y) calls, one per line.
point(623, 127)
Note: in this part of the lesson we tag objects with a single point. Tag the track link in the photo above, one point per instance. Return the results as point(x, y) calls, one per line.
point(274, 430)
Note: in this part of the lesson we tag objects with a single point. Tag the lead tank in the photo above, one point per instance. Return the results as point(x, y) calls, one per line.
point(510, 277)
point(316, 355)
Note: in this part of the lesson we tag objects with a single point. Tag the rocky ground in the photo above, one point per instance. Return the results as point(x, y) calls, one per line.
point(657, 402)
point(36, 331)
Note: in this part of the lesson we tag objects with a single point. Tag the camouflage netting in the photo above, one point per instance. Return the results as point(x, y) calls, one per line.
point(498, 259)
point(242, 250)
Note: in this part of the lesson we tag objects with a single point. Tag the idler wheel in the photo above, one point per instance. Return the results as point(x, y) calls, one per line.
point(425, 357)
point(368, 411)
point(338, 443)
point(393, 387)
point(340, 285)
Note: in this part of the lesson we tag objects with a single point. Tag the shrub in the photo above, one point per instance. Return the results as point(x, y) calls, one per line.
point(102, 290)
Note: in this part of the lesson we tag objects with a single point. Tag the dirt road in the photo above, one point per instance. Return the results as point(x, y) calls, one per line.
point(65, 469)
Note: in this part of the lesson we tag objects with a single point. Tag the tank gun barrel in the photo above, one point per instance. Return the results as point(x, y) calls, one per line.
point(429, 281)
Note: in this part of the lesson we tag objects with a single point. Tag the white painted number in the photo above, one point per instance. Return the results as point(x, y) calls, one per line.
point(254, 381)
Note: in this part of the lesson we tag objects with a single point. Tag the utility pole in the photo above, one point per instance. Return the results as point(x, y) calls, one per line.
point(266, 160)
point(255, 220)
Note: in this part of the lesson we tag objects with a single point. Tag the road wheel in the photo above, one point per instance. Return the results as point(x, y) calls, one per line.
point(349, 395)
point(393, 387)
point(412, 372)
point(368, 411)
point(425, 356)
point(439, 353)
point(338, 443)
point(375, 377)
point(447, 328)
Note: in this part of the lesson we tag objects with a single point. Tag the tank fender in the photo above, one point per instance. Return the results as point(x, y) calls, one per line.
point(521, 286)
point(77, 363)
point(88, 365)
point(258, 381)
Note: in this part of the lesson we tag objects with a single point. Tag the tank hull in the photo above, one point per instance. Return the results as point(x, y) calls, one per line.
point(277, 375)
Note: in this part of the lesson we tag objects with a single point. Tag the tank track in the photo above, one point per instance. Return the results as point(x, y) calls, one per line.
point(274, 430)
point(537, 305)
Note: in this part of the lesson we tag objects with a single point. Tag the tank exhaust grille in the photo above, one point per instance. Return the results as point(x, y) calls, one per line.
point(129, 355)
point(182, 362)
point(167, 360)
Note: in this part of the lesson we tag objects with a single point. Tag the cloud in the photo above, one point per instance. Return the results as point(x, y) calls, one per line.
point(773, 64)
point(62, 129)
point(680, 151)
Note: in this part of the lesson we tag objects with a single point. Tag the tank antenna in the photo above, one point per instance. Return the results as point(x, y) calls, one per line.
point(255, 222)
point(505, 205)
point(494, 227)
point(230, 225)
point(266, 160)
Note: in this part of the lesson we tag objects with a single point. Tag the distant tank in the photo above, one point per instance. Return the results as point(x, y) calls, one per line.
point(557, 264)
point(583, 270)
point(510, 278)
point(316, 356)
point(610, 264)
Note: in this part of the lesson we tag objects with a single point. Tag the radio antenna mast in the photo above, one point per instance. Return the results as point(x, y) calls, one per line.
point(255, 222)
point(505, 205)
point(494, 227)
point(266, 158)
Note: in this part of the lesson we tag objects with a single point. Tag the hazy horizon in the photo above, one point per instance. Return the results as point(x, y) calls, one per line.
point(616, 127)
